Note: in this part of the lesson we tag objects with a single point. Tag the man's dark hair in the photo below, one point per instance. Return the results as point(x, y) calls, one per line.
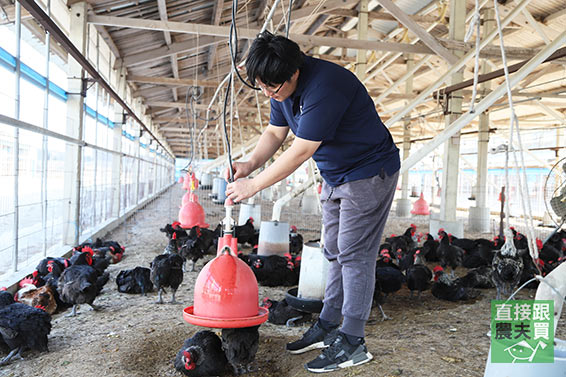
point(273, 59)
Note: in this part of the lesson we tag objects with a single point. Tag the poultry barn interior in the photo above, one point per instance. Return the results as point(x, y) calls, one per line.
point(119, 118)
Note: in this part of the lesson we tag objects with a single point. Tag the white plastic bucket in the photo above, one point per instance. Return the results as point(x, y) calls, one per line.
point(206, 181)
point(250, 210)
point(314, 269)
point(273, 238)
point(215, 185)
point(556, 369)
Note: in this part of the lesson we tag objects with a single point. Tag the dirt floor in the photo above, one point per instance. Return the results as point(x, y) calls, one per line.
point(133, 336)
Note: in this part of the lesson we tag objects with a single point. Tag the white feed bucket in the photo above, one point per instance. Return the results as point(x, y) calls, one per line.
point(206, 181)
point(314, 269)
point(273, 238)
point(215, 186)
point(250, 210)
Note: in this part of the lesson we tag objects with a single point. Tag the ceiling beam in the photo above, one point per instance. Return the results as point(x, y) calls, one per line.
point(223, 31)
point(181, 105)
point(166, 51)
point(216, 15)
point(382, 16)
point(172, 82)
point(423, 35)
point(162, 7)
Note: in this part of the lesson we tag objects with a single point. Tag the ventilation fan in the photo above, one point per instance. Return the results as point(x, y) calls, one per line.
point(555, 193)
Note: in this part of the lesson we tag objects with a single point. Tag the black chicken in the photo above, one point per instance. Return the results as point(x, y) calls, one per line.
point(246, 233)
point(274, 270)
point(405, 241)
point(202, 355)
point(199, 242)
point(430, 247)
point(136, 280)
point(507, 268)
point(295, 241)
point(240, 346)
point(167, 271)
point(80, 284)
point(448, 254)
point(548, 252)
point(418, 275)
point(280, 313)
point(479, 277)
point(43, 266)
point(22, 327)
point(448, 288)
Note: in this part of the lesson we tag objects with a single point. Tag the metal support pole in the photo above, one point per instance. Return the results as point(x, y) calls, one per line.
point(17, 138)
point(44, 144)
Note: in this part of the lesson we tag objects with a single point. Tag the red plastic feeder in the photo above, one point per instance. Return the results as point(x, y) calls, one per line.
point(192, 213)
point(180, 180)
point(226, 292)
point(420, 207)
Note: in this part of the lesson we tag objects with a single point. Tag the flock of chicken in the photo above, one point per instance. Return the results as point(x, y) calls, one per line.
point(59, 283)
point(490, 263)
point(56, 284)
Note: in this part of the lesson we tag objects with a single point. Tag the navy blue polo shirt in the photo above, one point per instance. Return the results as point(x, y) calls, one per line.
point(331, 105)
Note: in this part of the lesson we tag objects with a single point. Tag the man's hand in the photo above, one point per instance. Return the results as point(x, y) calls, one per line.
point(241, 189)
point(240, 170)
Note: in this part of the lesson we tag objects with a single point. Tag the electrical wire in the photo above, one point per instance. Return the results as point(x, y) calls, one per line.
point(233, 46)
point(288, 19)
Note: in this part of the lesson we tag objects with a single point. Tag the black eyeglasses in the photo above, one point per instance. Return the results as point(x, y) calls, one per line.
point(269, 91)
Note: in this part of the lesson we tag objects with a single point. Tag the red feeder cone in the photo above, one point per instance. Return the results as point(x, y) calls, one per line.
point(192, 213)
point(420, 207)
point(180, 179)
point(226, 292)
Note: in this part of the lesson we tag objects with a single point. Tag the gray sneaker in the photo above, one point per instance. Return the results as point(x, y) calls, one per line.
point(340, 354)
point(315, 337)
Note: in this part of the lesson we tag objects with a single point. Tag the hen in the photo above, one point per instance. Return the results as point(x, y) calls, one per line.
point(41, 298)
point(295, 241)
point(246, 233)
point(280, 313)
point(479, 277)
point(507, 268)
point(22, 327)
point(447, 288)
point(167, 271)
point(240, 346)
point(202, 355)
point(448, 254)
point(136, 280)
point(274, 270)
point(418, 275)
point(80, 284)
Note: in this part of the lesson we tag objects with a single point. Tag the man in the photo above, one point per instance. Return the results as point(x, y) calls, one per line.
point(335, 122)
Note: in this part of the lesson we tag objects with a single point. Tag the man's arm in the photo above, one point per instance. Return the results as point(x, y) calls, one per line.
point(269, 142)
point(300, 151)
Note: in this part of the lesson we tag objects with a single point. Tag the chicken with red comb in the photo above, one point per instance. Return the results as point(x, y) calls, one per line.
point(202, 355)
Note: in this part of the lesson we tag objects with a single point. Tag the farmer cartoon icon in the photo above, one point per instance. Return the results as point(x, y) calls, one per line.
point(524, 351)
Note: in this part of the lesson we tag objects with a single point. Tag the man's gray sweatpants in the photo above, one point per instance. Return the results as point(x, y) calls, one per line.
point(354, 215)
